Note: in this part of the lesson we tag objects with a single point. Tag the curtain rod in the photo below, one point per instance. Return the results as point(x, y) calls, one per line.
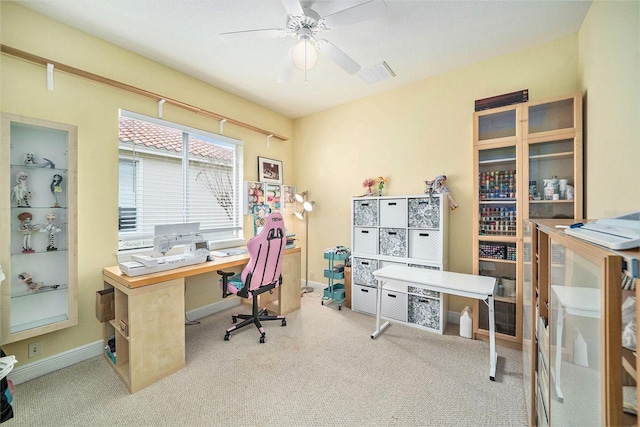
point(119, 85)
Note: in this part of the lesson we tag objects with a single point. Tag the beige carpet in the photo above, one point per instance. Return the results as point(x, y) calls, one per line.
point(323, 368)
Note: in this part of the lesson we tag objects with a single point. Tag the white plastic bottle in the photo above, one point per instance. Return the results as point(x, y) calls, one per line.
point(466, 322)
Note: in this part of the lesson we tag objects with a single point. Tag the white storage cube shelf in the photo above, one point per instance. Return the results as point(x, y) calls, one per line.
point(393, 242)
point(362, 271)
point(365, 212)
point(402, 230)
point(425, 312)
point(393, 213)
point(363, 299)
point(365, 240)
point(425, 244)
point(394, 302)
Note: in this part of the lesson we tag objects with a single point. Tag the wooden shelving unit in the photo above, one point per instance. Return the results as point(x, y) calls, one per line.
point(574, 364)
point(517, 149)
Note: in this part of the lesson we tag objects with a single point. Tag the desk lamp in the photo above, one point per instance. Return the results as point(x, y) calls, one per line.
point(307, 206)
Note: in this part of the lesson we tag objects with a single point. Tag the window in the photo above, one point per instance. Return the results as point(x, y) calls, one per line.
point(169, 173)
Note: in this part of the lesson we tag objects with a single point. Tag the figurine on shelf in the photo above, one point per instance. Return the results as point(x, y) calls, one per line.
point(27, 279)
point(438, 186)
point(51, 228)
point(26, 228)
point(381, 183)
point(47, 163)
point(56, 189)
point(368, 183)
point(21, 193)
point(30, 159)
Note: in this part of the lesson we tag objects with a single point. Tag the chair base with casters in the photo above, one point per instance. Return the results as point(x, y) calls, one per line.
point(256, 315)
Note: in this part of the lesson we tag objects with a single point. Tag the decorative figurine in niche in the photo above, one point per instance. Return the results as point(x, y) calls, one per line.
point(381, 183)
point(438, 186)
point(30, 159)
point(27, 279)
point(51, 228)
point(21, 193)
point(26, 228)
point(56, 189)
point(368, 183)
point(47, 164)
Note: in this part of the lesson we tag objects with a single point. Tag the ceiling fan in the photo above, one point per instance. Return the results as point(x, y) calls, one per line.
point(305, 25)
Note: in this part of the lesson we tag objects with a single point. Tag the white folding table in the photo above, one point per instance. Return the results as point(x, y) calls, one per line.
point(448, 282)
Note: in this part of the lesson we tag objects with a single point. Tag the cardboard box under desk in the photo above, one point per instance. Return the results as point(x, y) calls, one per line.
point(105, 306)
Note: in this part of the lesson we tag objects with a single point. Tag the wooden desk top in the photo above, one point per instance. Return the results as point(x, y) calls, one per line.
point(219, 263)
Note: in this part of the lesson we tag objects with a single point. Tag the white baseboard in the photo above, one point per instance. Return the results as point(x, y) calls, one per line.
point(53, 363)
point(58, 361)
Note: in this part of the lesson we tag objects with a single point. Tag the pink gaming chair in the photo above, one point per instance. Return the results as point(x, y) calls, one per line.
point(262, 274)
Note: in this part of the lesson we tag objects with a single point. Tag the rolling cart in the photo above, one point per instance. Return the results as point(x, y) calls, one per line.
point(335, 292)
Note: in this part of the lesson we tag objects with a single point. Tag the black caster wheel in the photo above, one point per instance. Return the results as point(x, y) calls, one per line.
point(284, 322)
point(227, 336)
point(262, 339)
point(339, 307)
point(234, 319)
point(321, 302)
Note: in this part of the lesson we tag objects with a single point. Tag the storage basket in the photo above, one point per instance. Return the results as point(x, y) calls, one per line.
point(335, 292)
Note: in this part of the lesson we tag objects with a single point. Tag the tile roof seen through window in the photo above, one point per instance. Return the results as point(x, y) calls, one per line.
point(143, 133)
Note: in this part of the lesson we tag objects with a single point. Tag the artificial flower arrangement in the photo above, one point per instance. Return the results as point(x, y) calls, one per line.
point(368, 183)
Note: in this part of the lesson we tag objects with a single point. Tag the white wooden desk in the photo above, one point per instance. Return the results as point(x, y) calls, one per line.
point(464, 285)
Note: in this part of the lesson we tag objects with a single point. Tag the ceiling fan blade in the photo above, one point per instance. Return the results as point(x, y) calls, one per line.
point(338, 56)
point(362, 12)
point(293, 7)
point(254, 34)
point(286, 73)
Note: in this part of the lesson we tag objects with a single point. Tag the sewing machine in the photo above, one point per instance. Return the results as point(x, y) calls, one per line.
point(196, 250)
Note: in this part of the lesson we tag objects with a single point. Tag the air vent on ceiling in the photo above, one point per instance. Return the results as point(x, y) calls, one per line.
point(377, 73)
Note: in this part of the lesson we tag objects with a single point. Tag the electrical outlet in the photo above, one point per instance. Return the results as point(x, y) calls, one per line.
point(34, 349)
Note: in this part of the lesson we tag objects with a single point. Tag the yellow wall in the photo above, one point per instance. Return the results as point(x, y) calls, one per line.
point(609, 49)
point(411, 134)
point(407, 134)
point(93, 108)
point(420, 130)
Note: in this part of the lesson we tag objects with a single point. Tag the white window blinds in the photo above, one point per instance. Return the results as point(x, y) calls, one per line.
point(169, 173)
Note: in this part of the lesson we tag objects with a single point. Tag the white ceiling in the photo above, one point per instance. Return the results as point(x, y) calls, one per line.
point(417, 38)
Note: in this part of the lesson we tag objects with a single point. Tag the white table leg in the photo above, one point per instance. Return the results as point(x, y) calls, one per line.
point(379, 328)
point(492, 341)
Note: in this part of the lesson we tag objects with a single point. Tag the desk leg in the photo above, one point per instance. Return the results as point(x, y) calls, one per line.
point(492, 340)
point(379, 328)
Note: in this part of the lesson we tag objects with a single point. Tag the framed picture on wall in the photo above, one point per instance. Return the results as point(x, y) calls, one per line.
point(269, 170)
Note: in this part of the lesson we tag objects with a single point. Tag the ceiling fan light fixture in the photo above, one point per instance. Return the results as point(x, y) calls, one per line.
point(304, 55)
